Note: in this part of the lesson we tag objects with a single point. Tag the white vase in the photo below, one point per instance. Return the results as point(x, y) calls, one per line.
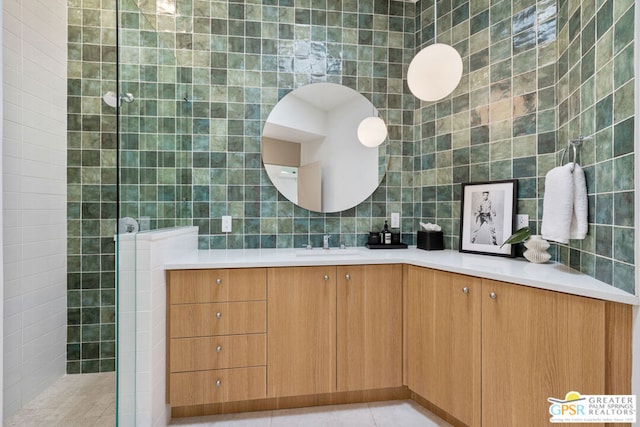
point(537, 249)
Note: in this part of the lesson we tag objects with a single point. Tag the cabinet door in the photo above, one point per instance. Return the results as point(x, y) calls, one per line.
point(369, 327)
point(537, 344)
point(233, 385)
point(443, 334)
point(223, 385)
point(219, 285)
point(203, 320)
point(219, 352)
point(301, 346)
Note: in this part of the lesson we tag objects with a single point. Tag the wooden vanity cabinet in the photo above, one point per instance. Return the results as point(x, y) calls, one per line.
point(217, 343)
point(491, 353)
point(538, 344)
point(369, 325)
point(334, 329)
point(443, 341)
point(302, 331)
point(476, 351)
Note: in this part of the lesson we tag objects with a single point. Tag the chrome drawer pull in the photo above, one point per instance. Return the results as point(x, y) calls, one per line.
point(218, 383)
point(218, 281)
point(219, 348)
point(218, 315)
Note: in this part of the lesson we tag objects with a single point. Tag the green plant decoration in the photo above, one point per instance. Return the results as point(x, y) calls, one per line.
point(519, 236)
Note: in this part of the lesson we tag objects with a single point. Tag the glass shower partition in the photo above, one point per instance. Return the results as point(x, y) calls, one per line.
point(154, 175)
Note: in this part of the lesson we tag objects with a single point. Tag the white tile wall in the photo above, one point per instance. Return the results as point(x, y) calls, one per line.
point(126, 248)
point(141, 273)
point(34, 64)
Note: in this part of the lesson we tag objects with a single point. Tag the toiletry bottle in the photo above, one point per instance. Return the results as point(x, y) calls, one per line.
point(387, 234)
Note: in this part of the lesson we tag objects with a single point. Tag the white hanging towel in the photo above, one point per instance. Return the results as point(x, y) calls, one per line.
point(579, 219)
point(564, 208)
point(557, 206)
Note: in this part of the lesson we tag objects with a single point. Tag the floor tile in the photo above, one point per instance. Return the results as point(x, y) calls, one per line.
point(74, 400)
point(339, 416)
point(402, 413)
point(246, 419)
point(89, 400)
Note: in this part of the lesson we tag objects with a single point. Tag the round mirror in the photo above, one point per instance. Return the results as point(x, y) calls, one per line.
point(311, 150)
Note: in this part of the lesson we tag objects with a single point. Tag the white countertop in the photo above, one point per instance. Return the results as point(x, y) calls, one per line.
point(551, 276)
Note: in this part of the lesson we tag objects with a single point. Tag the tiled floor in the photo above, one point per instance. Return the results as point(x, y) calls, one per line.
point(89, 401)
point(402, 413)
point(74, 400)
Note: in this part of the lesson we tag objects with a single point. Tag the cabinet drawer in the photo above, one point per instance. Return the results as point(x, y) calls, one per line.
point(203, 320)
point(223, 385)
point(233, 351)
point(220, 285)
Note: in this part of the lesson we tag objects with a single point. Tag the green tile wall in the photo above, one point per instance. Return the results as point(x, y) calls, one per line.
point(206, 74)
point(596, 97)
point(91, 187)
point(536, 74)
point(500, 123)
point(235, 60)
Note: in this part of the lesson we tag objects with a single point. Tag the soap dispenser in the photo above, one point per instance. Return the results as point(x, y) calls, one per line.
point(386, 234)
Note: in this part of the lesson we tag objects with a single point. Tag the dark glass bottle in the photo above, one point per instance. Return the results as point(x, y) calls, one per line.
point(386, 234)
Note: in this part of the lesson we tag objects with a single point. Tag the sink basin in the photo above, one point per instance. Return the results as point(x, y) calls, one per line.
point(327, 252)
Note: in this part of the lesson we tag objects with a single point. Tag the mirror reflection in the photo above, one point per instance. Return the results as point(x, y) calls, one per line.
point(311, 151)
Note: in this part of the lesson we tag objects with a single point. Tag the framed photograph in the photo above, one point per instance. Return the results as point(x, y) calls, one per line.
point(487, 217)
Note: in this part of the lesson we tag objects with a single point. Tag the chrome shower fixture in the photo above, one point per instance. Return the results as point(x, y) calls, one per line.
point(112, 100)
point(128, 97)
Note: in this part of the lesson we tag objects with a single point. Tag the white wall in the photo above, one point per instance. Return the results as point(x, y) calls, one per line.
point(142, 322)
point(34, 197)
point(349, 169)
point(287, 186)
point(296, 113)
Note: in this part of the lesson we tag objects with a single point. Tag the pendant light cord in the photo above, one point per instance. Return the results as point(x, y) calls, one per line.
point(435, 21)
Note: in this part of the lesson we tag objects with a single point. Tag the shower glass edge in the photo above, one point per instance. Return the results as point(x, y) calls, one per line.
point(154, 158)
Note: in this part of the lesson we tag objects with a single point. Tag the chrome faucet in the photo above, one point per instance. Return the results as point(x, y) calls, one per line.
point(325, 242)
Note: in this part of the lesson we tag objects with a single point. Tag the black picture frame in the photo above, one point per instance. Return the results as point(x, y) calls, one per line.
point(487, 217)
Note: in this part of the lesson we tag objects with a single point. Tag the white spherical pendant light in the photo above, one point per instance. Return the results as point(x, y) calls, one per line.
point(434, 72)
point(372, 131)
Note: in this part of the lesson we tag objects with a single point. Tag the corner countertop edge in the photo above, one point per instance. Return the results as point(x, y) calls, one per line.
point(550, 276)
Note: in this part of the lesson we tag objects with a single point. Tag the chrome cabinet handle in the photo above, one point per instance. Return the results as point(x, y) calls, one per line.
point(326, 278)
point(218, 281)
point(218, 315)
point(218, 383)
point(219, 349)
point(465, 290)
point(493, 295)
point(347, 277)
